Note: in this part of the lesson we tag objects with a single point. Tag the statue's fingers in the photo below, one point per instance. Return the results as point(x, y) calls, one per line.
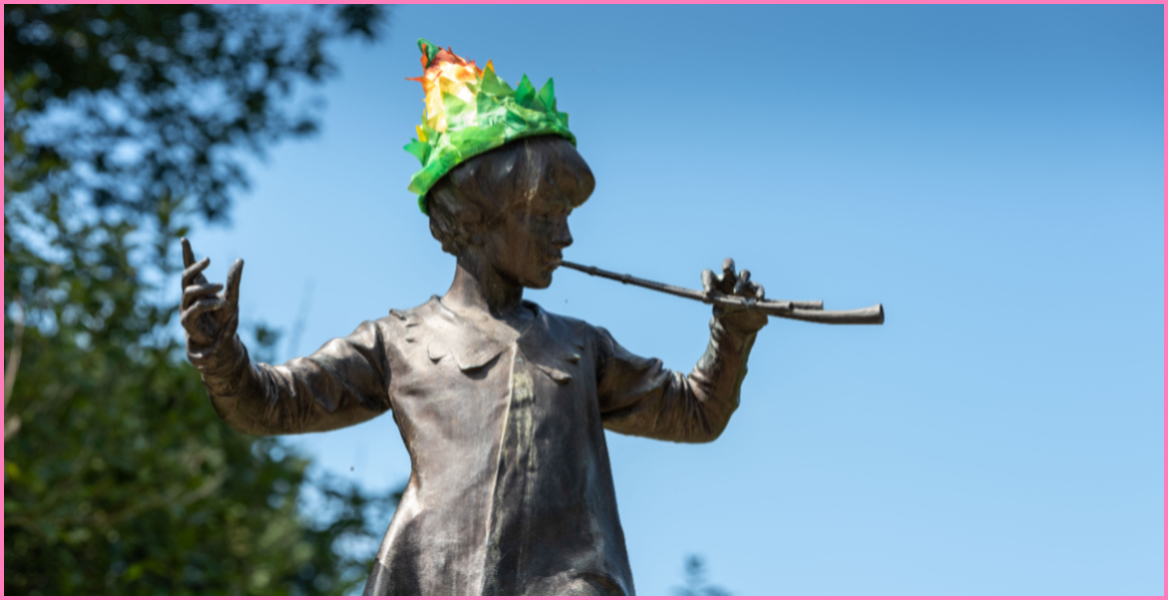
point(199, 291)
point(743, 282)
point(197, 329)
point(188, 255)
point(233, 282)
point(758, 290)
point(708, 277)
point(191, 313)
point(194, 273)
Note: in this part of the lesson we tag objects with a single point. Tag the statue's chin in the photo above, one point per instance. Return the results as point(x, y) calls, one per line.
point(540, 284)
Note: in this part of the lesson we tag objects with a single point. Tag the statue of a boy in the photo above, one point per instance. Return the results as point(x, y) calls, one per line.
point(502, 405)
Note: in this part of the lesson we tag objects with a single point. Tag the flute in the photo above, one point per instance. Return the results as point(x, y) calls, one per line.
point(800, 310)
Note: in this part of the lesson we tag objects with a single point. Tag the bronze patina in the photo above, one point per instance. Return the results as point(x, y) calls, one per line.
point(502, 405)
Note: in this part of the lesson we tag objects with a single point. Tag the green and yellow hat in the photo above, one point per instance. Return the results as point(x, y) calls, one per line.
point(470, 111)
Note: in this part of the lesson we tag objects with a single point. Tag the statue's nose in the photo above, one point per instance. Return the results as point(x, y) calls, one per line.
point(562, 238)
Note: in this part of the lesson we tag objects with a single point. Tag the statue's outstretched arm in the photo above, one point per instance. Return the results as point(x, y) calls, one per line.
point(343, 383)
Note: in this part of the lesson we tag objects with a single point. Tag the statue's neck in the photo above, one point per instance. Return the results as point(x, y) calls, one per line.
point(479, 288)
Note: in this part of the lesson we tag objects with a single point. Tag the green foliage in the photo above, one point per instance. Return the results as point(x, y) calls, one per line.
point(146, 102)
point(119, 478)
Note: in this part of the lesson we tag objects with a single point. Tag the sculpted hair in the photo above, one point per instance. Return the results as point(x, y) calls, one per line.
point(475, 195)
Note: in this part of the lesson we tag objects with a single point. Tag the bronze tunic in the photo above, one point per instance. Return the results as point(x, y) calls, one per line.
point(510, 491)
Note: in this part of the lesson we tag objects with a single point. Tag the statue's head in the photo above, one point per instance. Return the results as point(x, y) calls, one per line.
point(510, 206)
point(499, 168)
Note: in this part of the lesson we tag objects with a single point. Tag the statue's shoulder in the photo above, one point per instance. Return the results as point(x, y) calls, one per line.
point(563, 320)
point(564, 327)
point(411, 317)
point(420, 311)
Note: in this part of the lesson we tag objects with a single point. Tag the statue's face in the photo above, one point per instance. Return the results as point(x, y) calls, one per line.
point(525, 245)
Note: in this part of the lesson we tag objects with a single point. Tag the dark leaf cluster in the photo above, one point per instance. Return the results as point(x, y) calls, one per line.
point(129, 103)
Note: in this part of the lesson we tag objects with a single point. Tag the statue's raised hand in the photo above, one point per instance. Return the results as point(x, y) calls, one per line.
point(736, 284)
point(206, 314)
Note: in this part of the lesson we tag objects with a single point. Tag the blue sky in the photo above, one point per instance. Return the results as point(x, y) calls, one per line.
point(992, 174)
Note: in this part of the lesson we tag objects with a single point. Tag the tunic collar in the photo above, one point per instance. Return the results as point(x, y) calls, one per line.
point(548, 342)
point(448, 334)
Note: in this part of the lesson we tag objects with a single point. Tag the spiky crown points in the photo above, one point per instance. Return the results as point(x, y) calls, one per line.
point(470, 111)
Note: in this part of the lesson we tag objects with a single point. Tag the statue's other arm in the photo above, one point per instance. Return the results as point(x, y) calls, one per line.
point(342, 384)
point(638, 396)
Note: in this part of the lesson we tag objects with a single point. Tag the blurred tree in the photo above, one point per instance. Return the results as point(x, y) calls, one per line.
point(123, 105)
point(696, 580)
point(123, 125)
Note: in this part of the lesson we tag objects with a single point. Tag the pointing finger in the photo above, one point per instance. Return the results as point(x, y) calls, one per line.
point(188, 255)
point(233, 282)
point(194, 273)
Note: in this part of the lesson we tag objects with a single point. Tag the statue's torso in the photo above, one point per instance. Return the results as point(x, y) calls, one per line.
point(510, 490)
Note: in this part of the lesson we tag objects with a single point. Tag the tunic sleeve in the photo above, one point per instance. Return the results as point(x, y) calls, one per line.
point(639, 396)
point(344, 383)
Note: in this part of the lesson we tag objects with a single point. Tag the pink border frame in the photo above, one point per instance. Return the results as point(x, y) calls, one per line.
point(1165, 247)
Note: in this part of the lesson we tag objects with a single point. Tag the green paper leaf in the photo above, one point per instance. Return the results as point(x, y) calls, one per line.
point(489, 108)
point(457, 110)
point(494, 132)
point(525, 92)
point(547, 97)
point(429, 49)
point(515, 123)
point(532, 116)
point(420, 150)
point(493, 85)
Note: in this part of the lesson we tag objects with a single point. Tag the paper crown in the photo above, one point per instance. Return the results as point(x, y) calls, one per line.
point(470, 111)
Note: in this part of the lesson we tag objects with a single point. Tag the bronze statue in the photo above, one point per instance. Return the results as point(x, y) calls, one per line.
point(502, 405)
